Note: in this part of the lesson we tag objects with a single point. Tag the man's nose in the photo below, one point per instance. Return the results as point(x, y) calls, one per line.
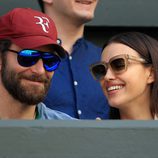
point(38, 68)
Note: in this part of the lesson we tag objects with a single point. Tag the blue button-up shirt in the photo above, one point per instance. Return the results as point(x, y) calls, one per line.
point(73, 89)
point(44, 113)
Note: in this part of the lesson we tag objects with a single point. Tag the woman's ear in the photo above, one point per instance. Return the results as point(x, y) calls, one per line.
point(151, 76)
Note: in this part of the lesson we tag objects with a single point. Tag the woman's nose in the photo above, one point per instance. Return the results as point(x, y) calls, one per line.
point(109, 75)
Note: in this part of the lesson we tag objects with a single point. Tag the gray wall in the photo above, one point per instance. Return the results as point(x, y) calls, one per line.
point(7, 5)
point(78, 139)
point(127, 13)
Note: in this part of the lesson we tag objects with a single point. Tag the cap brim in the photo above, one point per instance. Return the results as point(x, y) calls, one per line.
point(60, 50)
point(38, 41)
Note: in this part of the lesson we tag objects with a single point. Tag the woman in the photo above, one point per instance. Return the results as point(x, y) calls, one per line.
point(128, 74)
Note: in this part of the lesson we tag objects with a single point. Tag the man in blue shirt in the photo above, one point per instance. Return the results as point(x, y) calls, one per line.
point(73, 90)
point(29, 55)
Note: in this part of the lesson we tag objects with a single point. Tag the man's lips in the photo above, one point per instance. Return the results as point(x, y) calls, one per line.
point(34, 82)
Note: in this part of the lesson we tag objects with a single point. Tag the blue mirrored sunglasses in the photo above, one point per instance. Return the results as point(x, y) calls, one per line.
point(29, 57)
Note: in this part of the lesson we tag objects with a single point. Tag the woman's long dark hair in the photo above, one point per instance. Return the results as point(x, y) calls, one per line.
point(147, 47)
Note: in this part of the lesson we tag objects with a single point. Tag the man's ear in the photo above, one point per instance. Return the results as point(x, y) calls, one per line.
point(151, 77)
point(48, 1)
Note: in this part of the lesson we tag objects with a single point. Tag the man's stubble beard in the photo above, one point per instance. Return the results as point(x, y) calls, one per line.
point(21, 91)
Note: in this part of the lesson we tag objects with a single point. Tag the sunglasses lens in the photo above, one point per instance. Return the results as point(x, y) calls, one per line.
point(99, 71)
point(28, 58)
point(118, 65)
point(51, 61)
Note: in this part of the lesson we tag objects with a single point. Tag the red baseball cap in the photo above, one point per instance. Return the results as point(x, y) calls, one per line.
point(30, 28)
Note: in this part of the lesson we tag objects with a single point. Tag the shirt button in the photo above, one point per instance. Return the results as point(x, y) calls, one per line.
point(75, 83)
point(59, 41)
point(70, 57)
point(79, 112)
point(98, 118)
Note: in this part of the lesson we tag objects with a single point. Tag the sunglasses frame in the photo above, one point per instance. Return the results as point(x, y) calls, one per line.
point(107, 65)
point(40, 52)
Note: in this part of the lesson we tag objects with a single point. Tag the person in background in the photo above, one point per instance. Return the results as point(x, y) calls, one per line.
point(129, 77)
point(29, 55)
point(82, 97)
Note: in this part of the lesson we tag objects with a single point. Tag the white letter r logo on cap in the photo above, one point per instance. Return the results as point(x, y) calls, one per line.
point(43, 21)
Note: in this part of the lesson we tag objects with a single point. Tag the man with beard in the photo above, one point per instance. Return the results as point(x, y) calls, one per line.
point(82, 97)
point(29, 55)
